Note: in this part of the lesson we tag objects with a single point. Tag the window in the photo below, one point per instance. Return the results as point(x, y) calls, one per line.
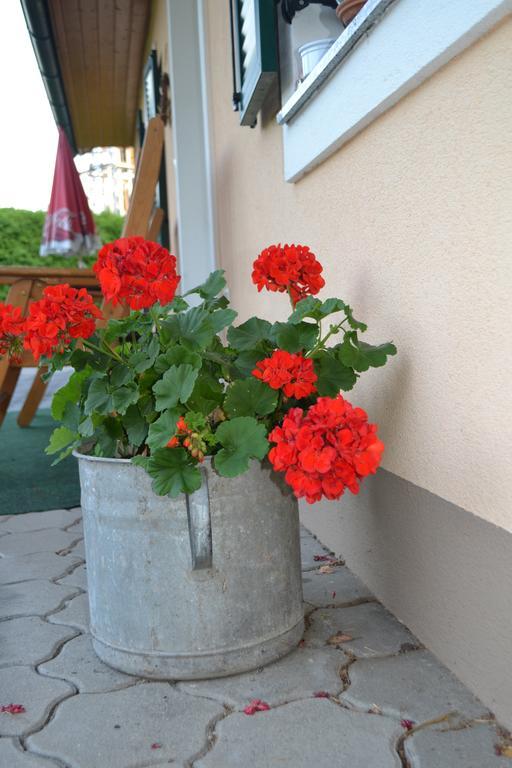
point(255, 55)
point(385, 52)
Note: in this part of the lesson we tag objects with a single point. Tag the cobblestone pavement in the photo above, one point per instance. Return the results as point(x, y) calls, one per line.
point(359, 692)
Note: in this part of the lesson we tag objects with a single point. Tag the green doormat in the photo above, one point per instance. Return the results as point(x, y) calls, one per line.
point(28, 482)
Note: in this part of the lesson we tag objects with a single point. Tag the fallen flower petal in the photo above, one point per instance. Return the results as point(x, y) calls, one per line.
point(13, 709)
point(156, 745)
point(339, 637)
point(326, 569)
point(407, 724)
point(256, 705)
point(321, 695)
point(333, 595)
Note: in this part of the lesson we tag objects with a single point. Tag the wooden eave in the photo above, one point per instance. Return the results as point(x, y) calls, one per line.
point(100, 47)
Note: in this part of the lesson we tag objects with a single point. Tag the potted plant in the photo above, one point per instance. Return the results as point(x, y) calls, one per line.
point(195, 437)
point(348, 10)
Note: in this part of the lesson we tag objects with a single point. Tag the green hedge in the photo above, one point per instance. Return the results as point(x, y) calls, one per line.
point(20, 238)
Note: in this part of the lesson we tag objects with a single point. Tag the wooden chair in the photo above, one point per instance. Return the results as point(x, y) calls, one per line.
point(27, 283)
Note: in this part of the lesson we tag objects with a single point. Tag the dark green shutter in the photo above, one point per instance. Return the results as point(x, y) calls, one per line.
point(255, 55)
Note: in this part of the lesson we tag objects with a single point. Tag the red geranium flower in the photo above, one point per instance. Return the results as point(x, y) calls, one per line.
point(256, 705)
point(294, 374)
point(63, 314)
point(292, 268)
point(12, 326)
point(136, 272)
point(325, 450)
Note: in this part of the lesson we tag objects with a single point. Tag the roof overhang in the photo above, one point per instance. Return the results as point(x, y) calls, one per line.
point(90, 55)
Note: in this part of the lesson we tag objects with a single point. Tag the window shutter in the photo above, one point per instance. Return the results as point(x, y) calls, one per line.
point(254, 54)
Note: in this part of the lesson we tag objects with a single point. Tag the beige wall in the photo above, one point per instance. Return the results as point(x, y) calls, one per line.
point(413, 222)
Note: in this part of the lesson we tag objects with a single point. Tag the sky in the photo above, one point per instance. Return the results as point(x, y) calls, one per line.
point(28, 134)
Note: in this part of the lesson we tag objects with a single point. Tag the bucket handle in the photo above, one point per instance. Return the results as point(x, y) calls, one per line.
point(200, 526)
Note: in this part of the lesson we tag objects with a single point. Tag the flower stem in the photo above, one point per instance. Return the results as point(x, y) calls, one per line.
point(106, 351)
point(321, 342)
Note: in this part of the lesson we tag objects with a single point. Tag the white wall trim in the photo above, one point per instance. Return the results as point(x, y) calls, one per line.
point(207, 127)
point(190, 129)
point(411, 42)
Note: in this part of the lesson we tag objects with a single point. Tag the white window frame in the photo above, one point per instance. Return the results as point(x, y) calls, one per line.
point(389, 49)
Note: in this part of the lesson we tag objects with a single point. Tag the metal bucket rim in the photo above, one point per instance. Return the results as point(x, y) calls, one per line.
point(88, 457)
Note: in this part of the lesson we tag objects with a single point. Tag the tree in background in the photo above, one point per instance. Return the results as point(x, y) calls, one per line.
point(20, 238)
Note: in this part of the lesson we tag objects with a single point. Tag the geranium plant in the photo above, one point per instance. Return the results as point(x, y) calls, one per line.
point(175, 381)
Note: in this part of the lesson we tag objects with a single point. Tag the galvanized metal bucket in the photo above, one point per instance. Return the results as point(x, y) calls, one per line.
point(204, 585)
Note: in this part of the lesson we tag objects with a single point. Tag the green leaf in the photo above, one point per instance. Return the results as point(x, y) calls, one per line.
point(71, 416)
point(222, 318)
point(308, 307)
point(246, 360)
point(107, 435)
point(177, 355)
point(355, 324)
point(194, 326)
point(361, 356)
point(61, 438)
point(215, 283)
point(206, 395)
point(144, 358)
point(247, 335)
point(69, 393)
point(173, 472)
point(81, 359)
point(121, 375)
point(123, 397)
point(175, 386)
point(135, 425)
point(141, 461)
point(247, 397)
point(295, 338)
point(99, 399)
point(316, 309)
point(178, 304)
point(333, 376)
point(135, 322)
point(242, 438)
point(161, 430)
point(86, 427)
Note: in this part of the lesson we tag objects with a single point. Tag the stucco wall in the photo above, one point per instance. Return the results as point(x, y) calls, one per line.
point(413, 222)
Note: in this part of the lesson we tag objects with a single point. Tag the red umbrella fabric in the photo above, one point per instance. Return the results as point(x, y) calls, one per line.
point(69, 226)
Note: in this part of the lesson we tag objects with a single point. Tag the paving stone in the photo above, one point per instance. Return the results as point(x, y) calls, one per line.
point(13, 757)
point(309, 547)
point(78, 578)
point(338, 587)
point(374, 631)
point(297, 676)
point(79, 549)
point(77, 528)
point(37, 521)
point(75, 614)
point(30, 640)
point(303, 734)
point(472, 747)
point(78, 663)
point(413, 685)
point(22, 685)
point(32, 598)
point(48, 540)
point(84, 733)
point(41, 565)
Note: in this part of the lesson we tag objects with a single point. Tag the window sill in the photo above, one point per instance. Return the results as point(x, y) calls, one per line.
point(362, 75)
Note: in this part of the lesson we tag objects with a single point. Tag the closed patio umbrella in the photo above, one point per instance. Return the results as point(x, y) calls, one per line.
point(69, 226)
